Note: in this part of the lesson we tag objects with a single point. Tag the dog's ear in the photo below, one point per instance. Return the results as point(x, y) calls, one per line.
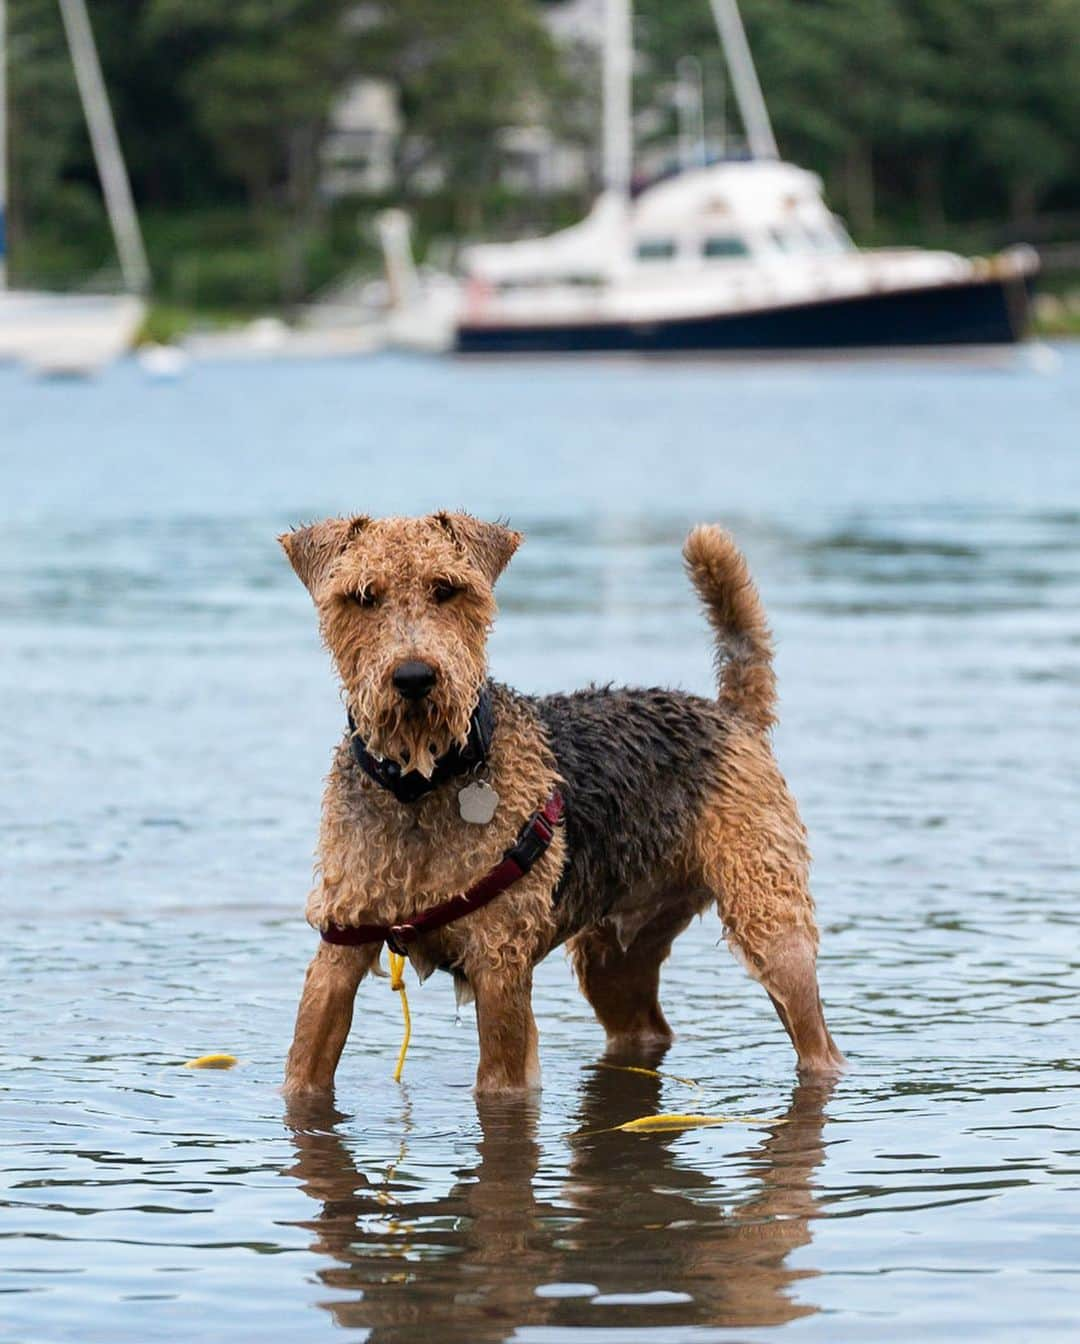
point(312, 550)
point(488, 545)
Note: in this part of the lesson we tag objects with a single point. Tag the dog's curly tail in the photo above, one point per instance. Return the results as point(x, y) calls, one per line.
point(747, 683)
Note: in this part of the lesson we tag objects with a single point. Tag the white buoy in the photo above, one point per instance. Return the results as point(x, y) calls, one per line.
point(162, 361)
point(1042, 358)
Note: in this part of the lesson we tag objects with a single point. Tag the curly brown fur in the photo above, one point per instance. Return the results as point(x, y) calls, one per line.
point(376, 586)
point(743, 640)
point(673, 802)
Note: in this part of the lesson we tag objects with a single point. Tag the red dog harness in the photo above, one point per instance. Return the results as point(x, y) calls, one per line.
point(532, 842)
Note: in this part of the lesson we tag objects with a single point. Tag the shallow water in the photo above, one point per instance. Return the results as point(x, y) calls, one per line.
point(167, 718)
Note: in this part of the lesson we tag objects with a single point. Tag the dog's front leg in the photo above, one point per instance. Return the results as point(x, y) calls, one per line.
point(324, 1018)
point(509, 1055)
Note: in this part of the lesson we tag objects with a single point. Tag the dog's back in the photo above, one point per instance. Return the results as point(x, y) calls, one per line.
point(637, 766)
point(641, 765)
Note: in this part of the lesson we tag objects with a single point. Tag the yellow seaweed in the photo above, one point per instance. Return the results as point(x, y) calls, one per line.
point(212, 1062)
point(645, 1123)
point(650, 1073)
point(397, 982)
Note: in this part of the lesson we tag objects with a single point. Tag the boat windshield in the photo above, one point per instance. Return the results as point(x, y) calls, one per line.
point(655, 249)
point(797, 238)
point(724, 245)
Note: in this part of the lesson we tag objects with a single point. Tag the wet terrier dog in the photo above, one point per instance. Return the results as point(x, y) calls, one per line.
point(476, 829)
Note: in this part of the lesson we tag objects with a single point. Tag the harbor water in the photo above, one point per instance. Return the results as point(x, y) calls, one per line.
point(167, 719)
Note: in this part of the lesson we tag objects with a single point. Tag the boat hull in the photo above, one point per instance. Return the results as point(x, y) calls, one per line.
point(67, 334)
point(984, 311)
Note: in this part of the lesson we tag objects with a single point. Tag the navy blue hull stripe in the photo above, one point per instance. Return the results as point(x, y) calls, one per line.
point(983, 312)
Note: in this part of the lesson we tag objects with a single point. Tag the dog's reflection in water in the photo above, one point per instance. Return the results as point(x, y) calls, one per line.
point(629, 1216)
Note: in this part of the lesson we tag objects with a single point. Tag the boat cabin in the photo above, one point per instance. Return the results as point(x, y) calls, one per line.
point(745, 211)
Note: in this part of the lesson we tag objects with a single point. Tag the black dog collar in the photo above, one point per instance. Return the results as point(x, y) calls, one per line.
point(409, 787)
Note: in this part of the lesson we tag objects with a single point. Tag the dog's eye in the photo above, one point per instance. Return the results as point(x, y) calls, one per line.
point(444, 590)
point(365, 597)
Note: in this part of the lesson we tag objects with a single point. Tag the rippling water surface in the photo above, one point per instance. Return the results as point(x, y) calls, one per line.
point(167, 719)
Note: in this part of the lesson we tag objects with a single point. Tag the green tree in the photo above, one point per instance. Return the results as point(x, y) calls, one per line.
point(1007, 74)
point(58, 226)
point(463, 72)
point(961, 107)
point(260, 82)
point(46, 141)
point(914, 112)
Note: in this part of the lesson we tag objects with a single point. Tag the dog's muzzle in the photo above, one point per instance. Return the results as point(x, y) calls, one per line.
point(413, 680)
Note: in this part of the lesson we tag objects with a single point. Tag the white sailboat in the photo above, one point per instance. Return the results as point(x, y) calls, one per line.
point(64, 333)
point(738, 256)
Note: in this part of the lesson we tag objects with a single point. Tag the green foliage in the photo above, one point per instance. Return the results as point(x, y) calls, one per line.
point(238, 259)
point(964, 107)
point(259, 81)
point(928, 119)
point(45, 132)
point(167, 323)
point(463, 72)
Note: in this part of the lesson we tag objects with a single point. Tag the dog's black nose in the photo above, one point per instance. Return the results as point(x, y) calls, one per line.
point(413, 680)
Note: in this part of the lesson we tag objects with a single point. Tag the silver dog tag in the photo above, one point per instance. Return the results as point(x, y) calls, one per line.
point(477, 802)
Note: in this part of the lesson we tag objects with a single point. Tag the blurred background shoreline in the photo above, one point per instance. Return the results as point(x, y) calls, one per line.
point(264, 140)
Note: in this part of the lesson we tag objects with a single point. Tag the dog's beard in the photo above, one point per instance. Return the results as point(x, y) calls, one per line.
point(414, 733)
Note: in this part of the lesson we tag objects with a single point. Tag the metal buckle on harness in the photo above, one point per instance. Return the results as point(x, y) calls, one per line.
point(538, 835)
point(398, 935)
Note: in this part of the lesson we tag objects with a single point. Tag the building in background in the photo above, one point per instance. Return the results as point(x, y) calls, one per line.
point(535, 162)
point(358, 154)
point(361, 150)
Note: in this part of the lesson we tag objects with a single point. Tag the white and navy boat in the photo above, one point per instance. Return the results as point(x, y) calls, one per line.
point(737, 256)
point(733, 257)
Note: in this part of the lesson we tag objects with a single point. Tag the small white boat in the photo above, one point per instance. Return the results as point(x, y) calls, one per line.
point(67, 334)
point(76, 334)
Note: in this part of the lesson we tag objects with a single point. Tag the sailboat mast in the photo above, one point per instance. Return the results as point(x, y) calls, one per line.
point(744, 80)
point(106, 147)
point(3, 144)
point(618, 96)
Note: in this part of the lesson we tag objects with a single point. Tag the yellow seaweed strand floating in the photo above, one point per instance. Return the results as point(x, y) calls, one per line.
point(656, 1124)
point(646, 1123)
point(397, 982)
point(212, 1062)
point(651, 1073)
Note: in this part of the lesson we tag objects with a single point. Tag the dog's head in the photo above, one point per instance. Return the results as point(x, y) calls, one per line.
point(405, 606)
